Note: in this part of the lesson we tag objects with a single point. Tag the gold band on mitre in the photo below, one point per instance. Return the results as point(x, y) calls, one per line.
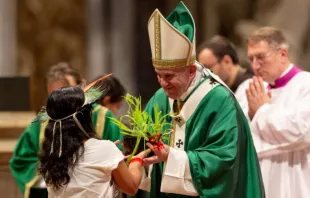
point(172, 64)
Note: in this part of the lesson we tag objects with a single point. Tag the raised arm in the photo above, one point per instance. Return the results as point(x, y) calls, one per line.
point(129, 178)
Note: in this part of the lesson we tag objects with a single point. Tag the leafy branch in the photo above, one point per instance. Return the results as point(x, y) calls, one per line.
point(140, 124)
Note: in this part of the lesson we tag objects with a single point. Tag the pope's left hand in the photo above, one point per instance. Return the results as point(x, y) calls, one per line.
point(161, 154)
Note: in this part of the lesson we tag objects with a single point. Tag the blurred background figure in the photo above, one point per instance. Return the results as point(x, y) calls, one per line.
point(278, 114)
point(115, 97)
point(62, 75)
point(219, 55)
point(283, 15)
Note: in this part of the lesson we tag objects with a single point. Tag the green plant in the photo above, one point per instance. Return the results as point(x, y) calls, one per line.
point(140, 124)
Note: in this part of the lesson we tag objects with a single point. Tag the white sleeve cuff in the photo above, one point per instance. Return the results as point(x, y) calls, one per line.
point(177, 177)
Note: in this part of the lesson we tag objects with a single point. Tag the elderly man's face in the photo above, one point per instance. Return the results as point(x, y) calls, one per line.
point(175, 82)
point(69, 81)
point(266, 61)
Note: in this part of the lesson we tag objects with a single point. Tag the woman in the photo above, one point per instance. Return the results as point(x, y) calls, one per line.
point(73, 161)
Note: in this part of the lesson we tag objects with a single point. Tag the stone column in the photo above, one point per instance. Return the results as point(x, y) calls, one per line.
point(7, 38)
point(122, 43)
point(96, 49)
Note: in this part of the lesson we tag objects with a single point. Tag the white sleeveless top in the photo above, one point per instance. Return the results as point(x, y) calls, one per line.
point(91, 176)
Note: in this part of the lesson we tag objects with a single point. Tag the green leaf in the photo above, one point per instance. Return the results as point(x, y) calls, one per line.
point(139, 122)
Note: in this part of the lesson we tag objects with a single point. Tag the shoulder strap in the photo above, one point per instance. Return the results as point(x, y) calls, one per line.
point(42, 131)
point(177, 137)
point(194, 100)
point(101, 121)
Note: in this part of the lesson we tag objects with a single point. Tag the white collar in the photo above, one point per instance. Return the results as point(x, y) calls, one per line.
point(194, 83)
point(287, 70)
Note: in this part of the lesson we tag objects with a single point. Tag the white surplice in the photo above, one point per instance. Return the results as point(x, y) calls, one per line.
point(281, 134)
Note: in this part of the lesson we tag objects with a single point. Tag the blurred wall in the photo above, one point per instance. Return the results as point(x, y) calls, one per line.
point(49, 32)
point(103, 36)
point(7, 38)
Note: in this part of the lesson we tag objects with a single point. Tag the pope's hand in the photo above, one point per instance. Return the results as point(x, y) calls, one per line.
point(161, 152)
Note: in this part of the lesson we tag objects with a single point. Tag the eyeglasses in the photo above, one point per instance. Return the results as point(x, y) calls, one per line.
point(259, 57)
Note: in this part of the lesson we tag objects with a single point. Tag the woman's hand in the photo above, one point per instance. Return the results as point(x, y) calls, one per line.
point(142, 154)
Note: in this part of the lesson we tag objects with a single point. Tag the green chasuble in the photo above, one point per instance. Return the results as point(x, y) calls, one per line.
point(222, 158)
point(104, 126)
point(24, 162)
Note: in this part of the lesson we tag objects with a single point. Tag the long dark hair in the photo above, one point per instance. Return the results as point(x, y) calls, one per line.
point(62, 103)
point(116, 92)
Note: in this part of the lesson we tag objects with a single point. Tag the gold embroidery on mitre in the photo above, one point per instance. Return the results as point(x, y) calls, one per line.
point(170, 64)
point(157, 36)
